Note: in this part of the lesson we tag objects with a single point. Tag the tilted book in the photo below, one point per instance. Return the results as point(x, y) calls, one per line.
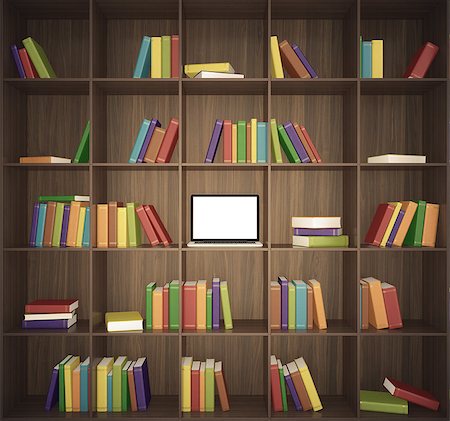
point(39, 58)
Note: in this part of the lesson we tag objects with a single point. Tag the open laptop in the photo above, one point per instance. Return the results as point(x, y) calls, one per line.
point(224, 220)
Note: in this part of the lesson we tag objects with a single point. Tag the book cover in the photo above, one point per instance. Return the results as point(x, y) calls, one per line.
point(109, 393)
point(291, 306)
point(310, 307)
point(52, 394)
point(70, 198)
point(392, 306)
point(149, 304)
point(72, 228)
point(227, 142)
point(377, 309)
point(234, 143)
point(397, 206)
point(175, 56)
point(377, 58)
point(287, 145)
point(68, 370)
point(131, 387)
point(414, 235)
point(44, 160)
point(282, 386)
point(139, 142)
point(310, 143)
point(158, 225)
point(157, 308)
point(84, 385)
point(374, 401)
point(291, 63)
point(134, 228)
point(421, 61)
point(93, 385)
point(117, 383)
point(379, 224)
point(186, 366)
point(410, 209)
point(366, 59)
point(48, 316)
point(155, 68)
point(189, 305)
point(275, 305)
point(34, 224)
point(38, 58)
point(395, 228)
point(154, 145)
point(202, 386)
point(241, 141)
point(304, 60)
point(142, 68)
point(275, 387)
point(118, 321)
point(191, 70)
point(304, 142)
point(151, 128)
point(276, 66)
point(41, 224)
point(49, 224)
point(316, 222)
point(253, 141)
point(299, 386)
point(320, 241)
point(30, 71)
point(248, 136)
point(87, 228)
point(284, 301)
point(165, 324)
point(430, 225)
point(364, 304)
point(295, 140)
point(214, 141)
point(169, 142)
point(291, 387)
point(142, 384)
point(82, 153)
point(49, 324)
point(122, 228)
point(309, 384)
point(209, 309)
point(262, 142)
point(174, 299)
point(61, 384)
point(318, 232)
point(165, 56)
point(276, 148)
point(195, 386)
point(147, 226)
point(225, 303)
point(65, 226)
point(209, 385)
point(76, 389)
point(125, 398)
point(80, 228)
point(301, 305)
point(17, 61)
point(397, 159)
point(221, 386)
point(51, 306)
point(201, 305)
point(320, 319)
point(215, 303)
point(217, 75)
point(102, 225)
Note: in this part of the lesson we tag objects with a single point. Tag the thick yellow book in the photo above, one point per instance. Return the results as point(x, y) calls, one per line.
point(80, 229)
point(202, 386)
point(68, 370)
point(377, 58)
point(319, 317)
point(186, 364)
point(72, 227)
point(122, 229)
point(201, 305)
point(102, 226)
point(309, 384)
point(276, 67)
point(387, 233)
point(377, 309)
point(156, 64)
point(157, 308)
point(234, 143)
point(193, 69)
point(103, 368)
point(254, 149)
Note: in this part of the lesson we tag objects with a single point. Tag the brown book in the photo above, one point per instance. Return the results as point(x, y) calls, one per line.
point(310, 306)
point(275, 305)
point(49, 223)
point(304, 142)
point(291, 63)
point(299, 386)
point(94, 226)
point(102, 226)
point(132, 387)
point(410, 209)
point(112, 223)
point(249, 143)
point(221, 386)
point(155, 145)
point(43, 160)
point(364, 305)
point(429, 225)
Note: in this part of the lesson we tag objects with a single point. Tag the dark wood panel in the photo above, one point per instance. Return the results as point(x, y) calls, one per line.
point(232, 9)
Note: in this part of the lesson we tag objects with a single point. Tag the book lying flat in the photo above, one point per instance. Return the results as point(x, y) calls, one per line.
point(49, 316)
point(192, 70)
point(397, 159)
point(44, 160)
point(218, 75)
point(52, 306)
point(49, 324)
point(318, 231)
point(75, 198)
point(315, 222)
point(118, 321)
point(374, 401)
point(317, 241)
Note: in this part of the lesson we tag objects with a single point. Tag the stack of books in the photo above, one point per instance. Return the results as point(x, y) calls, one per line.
point(60, 221)
point(379, 305)
point(31, 61)
point(296, 305)
point(197, 385)
point(211, 71)
point(318, 231)
point(202, 305)
point(371, 58)
point(296, 379)
point(153, 143)
point(50, 314)
point(159, 57)
point(421, 61)
point(117, 225)
point(410, 224)
point(123, 321)
point(291, 58)
point(162, 306)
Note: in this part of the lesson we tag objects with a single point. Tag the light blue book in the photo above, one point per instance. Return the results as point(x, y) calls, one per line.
point(301, 305)
point(142, 68)
point(109, 391)
point(41, 224)
point(86, 229)
point(84, 385)
point(367, 59)
point(139, 141)
point(261, 138)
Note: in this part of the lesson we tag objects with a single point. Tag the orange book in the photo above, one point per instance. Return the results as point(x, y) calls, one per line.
point(299, 386)
point(169, 142)
point(102, 226)
point(377, 309)
point(76, 389)
point(49, 224)
point(275, 305)
point(221, 386)
point(93, 226)
point(73, 224)
point(410, 209)
point(131, 387)
point(155, 144)
point(310, 306)
point(319, 317)
point(157, 308)
point(112, 223)
point(310, 143)
point(249, 142)
point(291, 63)
point(305, 143)
point(429, 225)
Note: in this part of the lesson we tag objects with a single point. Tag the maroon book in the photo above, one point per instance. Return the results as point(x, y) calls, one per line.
point(147, 226)
point(160, 229)
point(51, 306)
point(379, 224)
point(175, 56)
point(393, 313)
point(169, 142)
point(421, 61)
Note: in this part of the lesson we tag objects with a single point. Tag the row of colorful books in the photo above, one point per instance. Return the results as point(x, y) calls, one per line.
point(296, 304)
point(197, 385)
point(158, 57)
point(296, 378)
point(371, 58)
point(153, 143)
point(410, 224)
point(50, 314)
point(31, 60)
point(162, 306)
point(318, 231)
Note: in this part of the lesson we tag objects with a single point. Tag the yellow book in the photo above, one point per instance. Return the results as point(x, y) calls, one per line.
point(377, 309)
point(309, 384)
point(319, 317)
point(119, 321)
point(391, 223)
point(276, 67)
point(156, 65)
point(201, 305)
point(193, 69)
point(253, 125)
point(80, 229)
point(202, 386)
point(102, 226)
point(234, 143)
point(103, 368)
point(157, 308)
point(68, 370)
point(72, 227)
point(377, 58)
point(122, 229)
point(186, 365)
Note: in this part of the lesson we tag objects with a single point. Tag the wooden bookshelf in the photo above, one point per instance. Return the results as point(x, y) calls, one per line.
point(93, 45)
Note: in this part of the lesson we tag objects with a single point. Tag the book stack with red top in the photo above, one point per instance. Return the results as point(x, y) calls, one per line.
point(50, 314)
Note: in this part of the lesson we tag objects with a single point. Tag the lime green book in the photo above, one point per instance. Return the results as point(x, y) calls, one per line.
point(209, 309)
point(165, 55)
point(320, 241)
point(373, 401)
point(61, 386)
point(287, 145)
point(209, 385)
point(149, 304)
point(414, 235)
point(291, 305)
point(134, 227)
point(174, 305)
point(125, 395)
point(192, 69)
point(57, 227)
point(39, 58)
point(276, 148)
point(283, 386)
point(226, 307)
point(82, 153)
point(117, 383)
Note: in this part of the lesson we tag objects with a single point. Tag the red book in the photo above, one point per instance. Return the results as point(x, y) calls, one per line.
point(227, 141)
point(166, 306)
point(175, 56)
point(51, 306)
point(392, 307)
point(311, 144)
point(275, 386)
point(195, 386)
point(160, 229)
point(30, 71)
point(379, 224)
point(148, 227)
point(411, 393)
point(189, 305)
point(169, 142)
point(421, 61)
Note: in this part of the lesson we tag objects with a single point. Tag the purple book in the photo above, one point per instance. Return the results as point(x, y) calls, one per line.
point(154, 123)
point(291, 387)
point(34, 222)
point(318, 231)
point(304, 61)
point(19, 65)
point(284, 301)
point(52, 395)
point(49, 324)
point(142, 384)
point(214, 141)
point(296, 142)
point(216, 303)
point(65, 225)
point(395, 228)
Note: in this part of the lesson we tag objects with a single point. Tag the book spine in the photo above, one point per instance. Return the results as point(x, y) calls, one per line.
point(291, 306)
point(276, 148)
point(392, 308)
point(166, 306)
point(158, 225)
point(174, 299)
point(186, 388)
point(248, 137)
point(189, 307)
point(195, 391)
point(284, 302)
point(65, 225)
point(377, 58)
point(367, 59)
point(165, 56)
point(134, 229)
point(291, 387)
point(276, 67)
point(275, 389)
point(19, 65)
point(34, 223)
point(215, 304)
point(45, 324)
point(149, 305)
point(169, 142)
point(156, 71)
point(241, 141)
point(262, 142)
point(52, 395)
point(109, 392)
point(87, 228)
point(139, 385)
point(301, 303)
point(49, 224)
point(201, 305)
point(301, 152)
point(56, 236)
point(311, 144)
point(214, 141)
point(30, 71)
point(175, 56)
point(421, 62)
point(142, 68)
point(304, 61)
point(222, 390)
point(125, 392)
point(209, 389)
point(254, 141)
point(318, 231)
point(153, 124)
point(227, 142)
point(283, 390)
point(275, 306)
point(234, 143)
point(209, 309)
point(157, 308)
point(291, 63)
point(226, 307)
point(147, 226)
point(139, 141)
point(287, 146)
point(395, 228)
point(84, 388)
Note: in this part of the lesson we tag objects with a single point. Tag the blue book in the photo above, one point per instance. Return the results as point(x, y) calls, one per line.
point(65, 225)
point(87, 228)
point(142, 68)
point(154, 123)
point(367, 59)
point(140, 139)
point(52, 394)
point(301, 305)
point(34, 221)
point(261, 138)
point(109, 391)
point(84, 385)
point(41, 224)
point(18, 61)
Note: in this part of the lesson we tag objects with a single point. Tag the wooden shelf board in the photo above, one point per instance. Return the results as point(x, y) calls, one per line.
point(143, 247)
point(144, 166)
point(290, 247)
point(400, 166)
point(193, 249)
point(367, 248)
point(131, 86)
point(313, 166)
point(335, 328)
point(48, 249)
point(240, 328)
point(410, 328)
point(70, 166)
point(55, 86)
point(400, 86)
point(81, 328)
point(221, 165)
point(249, 86)
point(316, 86)
point(100, 330)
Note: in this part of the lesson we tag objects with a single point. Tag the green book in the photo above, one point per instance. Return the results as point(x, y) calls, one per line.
point(276, 148)
point(360, 55)
point(291, 305)
point(209, 385)
point(241, 141)
point(149, 304)
point(65, 199)
point(209, 309)
point(57, 227)
point(117, 383)
point(413, 237)
point(61, 386)
point(226, 307)
point(134, 227)
point(174, 303)
point(320, 241)
point(39, 58)
point(125, 395)
point(165, 55)
point(82, 153)
point(287, 145)
point(283, 386)
point(370, 400)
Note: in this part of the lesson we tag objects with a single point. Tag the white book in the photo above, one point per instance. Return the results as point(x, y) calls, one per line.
point(49, 316)
point(316, 222)
point(397, 159)
point(81, 198)
point(216, 75)
point(44, 160)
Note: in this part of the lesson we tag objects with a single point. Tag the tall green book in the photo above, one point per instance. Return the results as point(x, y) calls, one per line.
point(57, 227)
point(241, 141)
point(39, 58)
point(225, 303)
point(133, 224)
point(413, 237)
point(276, 148)
point(149, 304)
point(287, 145)
point(209, 309)
point(209, 385)
point(291, 305)
point(125, 390)
point(165, 56)
point(371, 400)
point(61, 385)
point(174, 303)
point(82, 153)
point(283, 386)
point(117, 383)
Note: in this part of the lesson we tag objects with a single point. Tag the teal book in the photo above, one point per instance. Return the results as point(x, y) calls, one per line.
point(174, 305)
point(86, 230)
point(373, 401)
point(82, 153)
point(149, 305)
point(367, 59)
point(61, 384)
point(413, 237)
point(84, 385)
point(209, 309)
point(41, 224)
point(142, 68)
point(287, 145)
point(109, 391)
point(301, 305)
point(261, 137)
point(139, 141)
point(241, 141)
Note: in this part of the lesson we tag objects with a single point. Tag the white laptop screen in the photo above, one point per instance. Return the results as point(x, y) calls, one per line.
point(222, 217)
